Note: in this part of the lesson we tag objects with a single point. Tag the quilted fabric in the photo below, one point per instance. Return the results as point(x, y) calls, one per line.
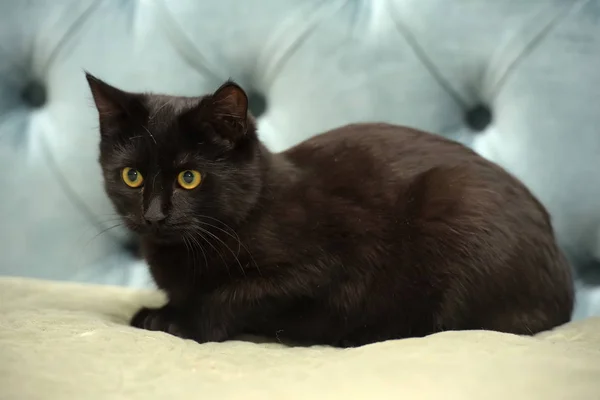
point(65, 341)
point(516, 80)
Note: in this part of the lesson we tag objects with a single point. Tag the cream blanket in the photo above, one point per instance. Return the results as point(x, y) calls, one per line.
point(67, 341)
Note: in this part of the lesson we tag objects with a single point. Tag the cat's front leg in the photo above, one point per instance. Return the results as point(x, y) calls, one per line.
point(246, 306)
point(202, 321)
point(215, 321)
point(166, 319)
point(250, 303)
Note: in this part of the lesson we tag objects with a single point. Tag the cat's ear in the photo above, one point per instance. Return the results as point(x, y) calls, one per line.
point(109, 100)
point(114, 105)
point(229, 103)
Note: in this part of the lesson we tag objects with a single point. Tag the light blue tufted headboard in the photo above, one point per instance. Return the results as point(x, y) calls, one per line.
point(517, 80)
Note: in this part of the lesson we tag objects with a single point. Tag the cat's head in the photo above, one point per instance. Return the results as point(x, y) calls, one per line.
point(172, 164)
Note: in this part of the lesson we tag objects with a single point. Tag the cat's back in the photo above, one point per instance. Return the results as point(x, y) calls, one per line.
point(407, 171)
point(363, 146)
point(386, 158)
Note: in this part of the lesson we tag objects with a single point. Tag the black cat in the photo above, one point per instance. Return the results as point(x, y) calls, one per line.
point(365, 233)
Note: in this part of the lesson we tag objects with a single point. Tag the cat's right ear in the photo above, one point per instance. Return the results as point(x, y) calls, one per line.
point(114, 105)
point(109, 100)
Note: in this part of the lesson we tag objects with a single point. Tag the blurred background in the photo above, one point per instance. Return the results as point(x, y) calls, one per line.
point(518, 81)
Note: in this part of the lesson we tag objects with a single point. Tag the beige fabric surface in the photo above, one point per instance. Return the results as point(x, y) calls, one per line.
point(67, 341)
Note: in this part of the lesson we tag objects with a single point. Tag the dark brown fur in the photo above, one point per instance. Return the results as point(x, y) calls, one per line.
point(365, 233)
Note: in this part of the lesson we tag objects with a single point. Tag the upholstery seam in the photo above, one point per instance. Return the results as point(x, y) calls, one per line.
point(72, 195)
point(75, 199)
point(75, 26)
point(5, 117)
point(307, 27)
point(182, 43)
point(16, 65)
point(418, 50)
point(532, 44)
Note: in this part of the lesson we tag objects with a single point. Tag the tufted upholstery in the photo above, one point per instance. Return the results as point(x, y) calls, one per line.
point(519, 81)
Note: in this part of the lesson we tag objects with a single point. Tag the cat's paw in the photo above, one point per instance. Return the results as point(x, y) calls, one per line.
point(158, 319)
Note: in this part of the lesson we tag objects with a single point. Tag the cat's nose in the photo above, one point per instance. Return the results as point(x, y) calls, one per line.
point(154, 218)
point(154, 214)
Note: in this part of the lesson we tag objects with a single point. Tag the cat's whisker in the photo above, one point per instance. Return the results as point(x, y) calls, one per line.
point(112, 214)
point(194, 265)
point(227, 247)
point(234, 236)
point(200, 247)
point(218, 221)
point(106, 221)
point(102, 232)
point(188, 250)
point(192, 238)
point(214, 248)
point(238, 238)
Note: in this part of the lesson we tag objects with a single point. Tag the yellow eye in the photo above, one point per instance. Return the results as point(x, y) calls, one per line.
point(132, 177)
point(189, 179)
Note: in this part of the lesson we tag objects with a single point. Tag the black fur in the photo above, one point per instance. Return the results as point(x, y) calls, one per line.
point(365, 233)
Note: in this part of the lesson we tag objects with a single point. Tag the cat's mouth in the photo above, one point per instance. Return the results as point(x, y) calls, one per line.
point(156, 232)
point(163, 232)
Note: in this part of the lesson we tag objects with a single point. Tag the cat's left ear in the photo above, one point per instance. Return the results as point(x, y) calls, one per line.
point(230, 104)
